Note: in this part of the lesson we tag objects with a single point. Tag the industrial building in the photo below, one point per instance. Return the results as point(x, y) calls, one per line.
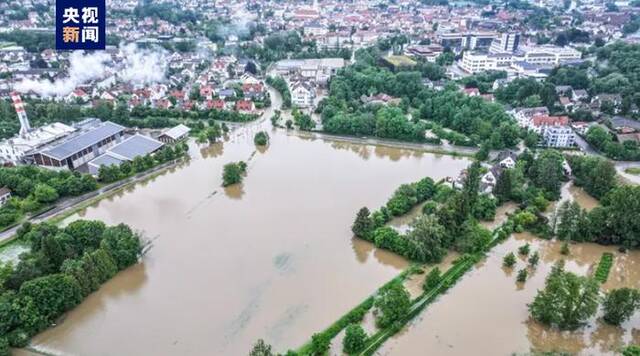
point(92, 138)
point(125, 151)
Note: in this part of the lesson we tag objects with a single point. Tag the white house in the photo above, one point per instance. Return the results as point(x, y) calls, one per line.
point(302, 94)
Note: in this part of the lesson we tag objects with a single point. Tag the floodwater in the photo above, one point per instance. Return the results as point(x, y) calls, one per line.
point(486, 312)
point(272, 258)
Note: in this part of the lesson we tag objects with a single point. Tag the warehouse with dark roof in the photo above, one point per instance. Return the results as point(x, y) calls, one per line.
point(127, 150)
point(92, 139)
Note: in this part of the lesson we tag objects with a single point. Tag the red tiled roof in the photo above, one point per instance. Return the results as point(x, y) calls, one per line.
point(544, 120)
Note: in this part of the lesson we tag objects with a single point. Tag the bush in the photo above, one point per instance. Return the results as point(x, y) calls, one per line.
point(534, 259)
point(522, 275)
point(354, 339)
point(620, 304)
point(604, 266)
point(232, 173)
point(524, 249)
point(509, 260)
point(261, 138)
point(392, 304)
point(432, 280)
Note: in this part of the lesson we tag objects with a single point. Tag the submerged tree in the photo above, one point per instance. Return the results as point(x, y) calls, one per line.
point(392, 304)
point(620, 304)
point(232, 173)
point(354, 339)
point(261, 348)
point(363, 225)
point(567, 301)
point(261, 138)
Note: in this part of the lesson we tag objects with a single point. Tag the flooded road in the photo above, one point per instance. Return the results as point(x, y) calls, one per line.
point(271, 258)
point(486, 312)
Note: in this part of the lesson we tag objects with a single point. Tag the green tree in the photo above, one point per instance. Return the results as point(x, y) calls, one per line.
point(547, 173)
point(392, 304)
point(261, 348)
point(522, 275)
point(232, 174)
point(45, 193)
point(426, 240)
point(363, 225)
point(567, 301)
point(354, 339)
point(261, 138)
point(509, 260)
point(432, 280)
point(620, 304)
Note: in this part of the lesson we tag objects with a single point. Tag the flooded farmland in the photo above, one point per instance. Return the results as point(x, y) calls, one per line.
point(272, 258)
point(486, 312)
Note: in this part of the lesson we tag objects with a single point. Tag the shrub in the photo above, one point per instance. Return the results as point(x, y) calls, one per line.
point(509, 260)
point(522, 275)
point(620, 304)
point(524, 249)
point(261, 138)
point(604, 266)
point(534, 259)
point(432, 280)
point(354, 339)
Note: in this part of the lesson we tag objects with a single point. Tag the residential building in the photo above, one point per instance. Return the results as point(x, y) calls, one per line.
point(302, 94)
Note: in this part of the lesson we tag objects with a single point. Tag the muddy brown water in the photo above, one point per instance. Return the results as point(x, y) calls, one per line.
point(271, 258)
point(486, 312)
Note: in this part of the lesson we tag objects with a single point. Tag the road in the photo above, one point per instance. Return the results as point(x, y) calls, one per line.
point(69, 203)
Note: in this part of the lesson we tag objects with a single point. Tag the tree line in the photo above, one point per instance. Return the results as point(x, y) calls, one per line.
point(113, 173)
point(33, 188)
point(62, 268)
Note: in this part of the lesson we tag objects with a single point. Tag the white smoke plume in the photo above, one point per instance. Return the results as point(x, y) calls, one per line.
point(142, 66)
point(83, 68)
point(138, 66)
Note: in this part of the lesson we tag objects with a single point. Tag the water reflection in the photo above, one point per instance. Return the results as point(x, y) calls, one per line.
point(234, 191)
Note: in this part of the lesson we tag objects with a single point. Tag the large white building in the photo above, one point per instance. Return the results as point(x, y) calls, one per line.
point(13, 150)
point(508, 42)
point(480, 62)
point(474, 62)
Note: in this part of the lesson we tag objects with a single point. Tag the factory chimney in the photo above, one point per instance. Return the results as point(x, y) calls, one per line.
point(22, 115)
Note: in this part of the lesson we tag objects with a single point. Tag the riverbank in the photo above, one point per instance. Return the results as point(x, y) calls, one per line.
point(424, 147)
point(70, 206)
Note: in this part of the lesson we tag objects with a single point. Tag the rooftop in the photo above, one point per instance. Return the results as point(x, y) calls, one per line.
point(134, 146)
point(82, 140)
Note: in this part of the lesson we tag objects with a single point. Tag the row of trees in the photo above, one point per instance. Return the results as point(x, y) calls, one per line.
point(33, 187)
point(279, 84)
point(62, 268)
point(613, 223)
point(601, 139)
point(113, 173)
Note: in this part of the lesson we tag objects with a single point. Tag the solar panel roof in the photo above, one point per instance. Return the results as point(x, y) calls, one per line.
point(79, 142)
point(135, 146)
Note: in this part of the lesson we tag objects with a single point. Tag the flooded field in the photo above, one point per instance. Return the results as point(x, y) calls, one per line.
point(272, 258)
point(486, 312)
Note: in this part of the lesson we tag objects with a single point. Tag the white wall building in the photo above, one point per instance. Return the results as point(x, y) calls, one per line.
point(302, 94)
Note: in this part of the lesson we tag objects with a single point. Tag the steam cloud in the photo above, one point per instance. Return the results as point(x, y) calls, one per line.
point(137, 67)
